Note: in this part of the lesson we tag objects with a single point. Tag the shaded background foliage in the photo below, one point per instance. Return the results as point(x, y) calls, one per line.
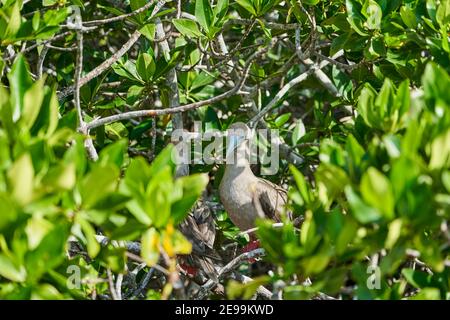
point(370, 120)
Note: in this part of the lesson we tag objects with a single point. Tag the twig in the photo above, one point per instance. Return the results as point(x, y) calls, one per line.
point(137, 258)
point(337, 63)
point(183, 108)
point(112, 290)
point(111, 60)
point(40, 64)
point(152, 151)
point(61, 48)
point(252, 230)
point(78, 70)
point(119, 286)
point(289, 86)
point(119, 18)
point(270, 25)
point(133, 247)
point(322, 77)
point(144, 282)
point(285, 150)
point(174, 276)
point(261, 290)
point(103, 66)
point(233, 264)
point(34, 46)
point(88, 143)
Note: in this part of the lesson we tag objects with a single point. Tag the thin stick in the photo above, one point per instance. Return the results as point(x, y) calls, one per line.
point(183, 108)
point(289, 86)
point(230, 266)
point(144, 282)
point(119, 286)
point(111, 285)
point(119, 18)
point(111, 60)
point(88, 143)
point(40, 64)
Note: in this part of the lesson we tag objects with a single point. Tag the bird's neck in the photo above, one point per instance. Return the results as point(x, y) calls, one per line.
point(240, 164)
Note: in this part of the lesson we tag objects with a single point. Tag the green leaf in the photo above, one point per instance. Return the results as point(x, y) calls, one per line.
point(373, 12)
point(446, 180)
point(60, 177)
point(443, 13)
point(145, 65)
point(354, 16)
point(14, 20)
point(36, 229)
point(395, 229)
point(281, 120)
point(127, 70)
point(331, 181)
point(311, 2)
point(21, 179)
point(435, 82)
point(102, 178)
point(36, 20)
point(136, 4)
point(220, 10)
point(47, 120)
point(203, 13)
point(49, 254)
point(32, 102)
point(20, 81)
point(116, 131)
point(236, 290)
point(9, 212)
point(158, 197)
point(192, 187)
point(408, 17)
point(247, 5)
point(148, 31)
point(299, 132)
point(428, 294)
point(417, 278)
point(187, 28)
point(163, 160)
point(10, 271)
point(113, 153)
point(376, 190)
point(301, 183)
point(440, 151)
point(362, 212)
point(150, 247)
point(93, 247)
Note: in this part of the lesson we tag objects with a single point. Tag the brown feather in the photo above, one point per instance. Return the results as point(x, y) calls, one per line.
point(199, 229)
point(246, 197)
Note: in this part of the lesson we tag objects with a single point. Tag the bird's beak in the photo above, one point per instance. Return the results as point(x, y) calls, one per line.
point(233, 142)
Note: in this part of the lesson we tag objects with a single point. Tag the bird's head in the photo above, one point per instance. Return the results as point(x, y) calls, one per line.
point(238, 137)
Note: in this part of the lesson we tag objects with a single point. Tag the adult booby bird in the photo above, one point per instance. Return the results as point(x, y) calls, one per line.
point(244, 195)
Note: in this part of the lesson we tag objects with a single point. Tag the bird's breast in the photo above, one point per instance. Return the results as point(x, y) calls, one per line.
point(237, 198)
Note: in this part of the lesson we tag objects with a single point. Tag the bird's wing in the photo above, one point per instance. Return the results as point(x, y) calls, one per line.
point(270, 198)
point(199, 229)
point(201, 236)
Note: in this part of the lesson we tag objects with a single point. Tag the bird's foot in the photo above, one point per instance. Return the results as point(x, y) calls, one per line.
point(252, 245)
